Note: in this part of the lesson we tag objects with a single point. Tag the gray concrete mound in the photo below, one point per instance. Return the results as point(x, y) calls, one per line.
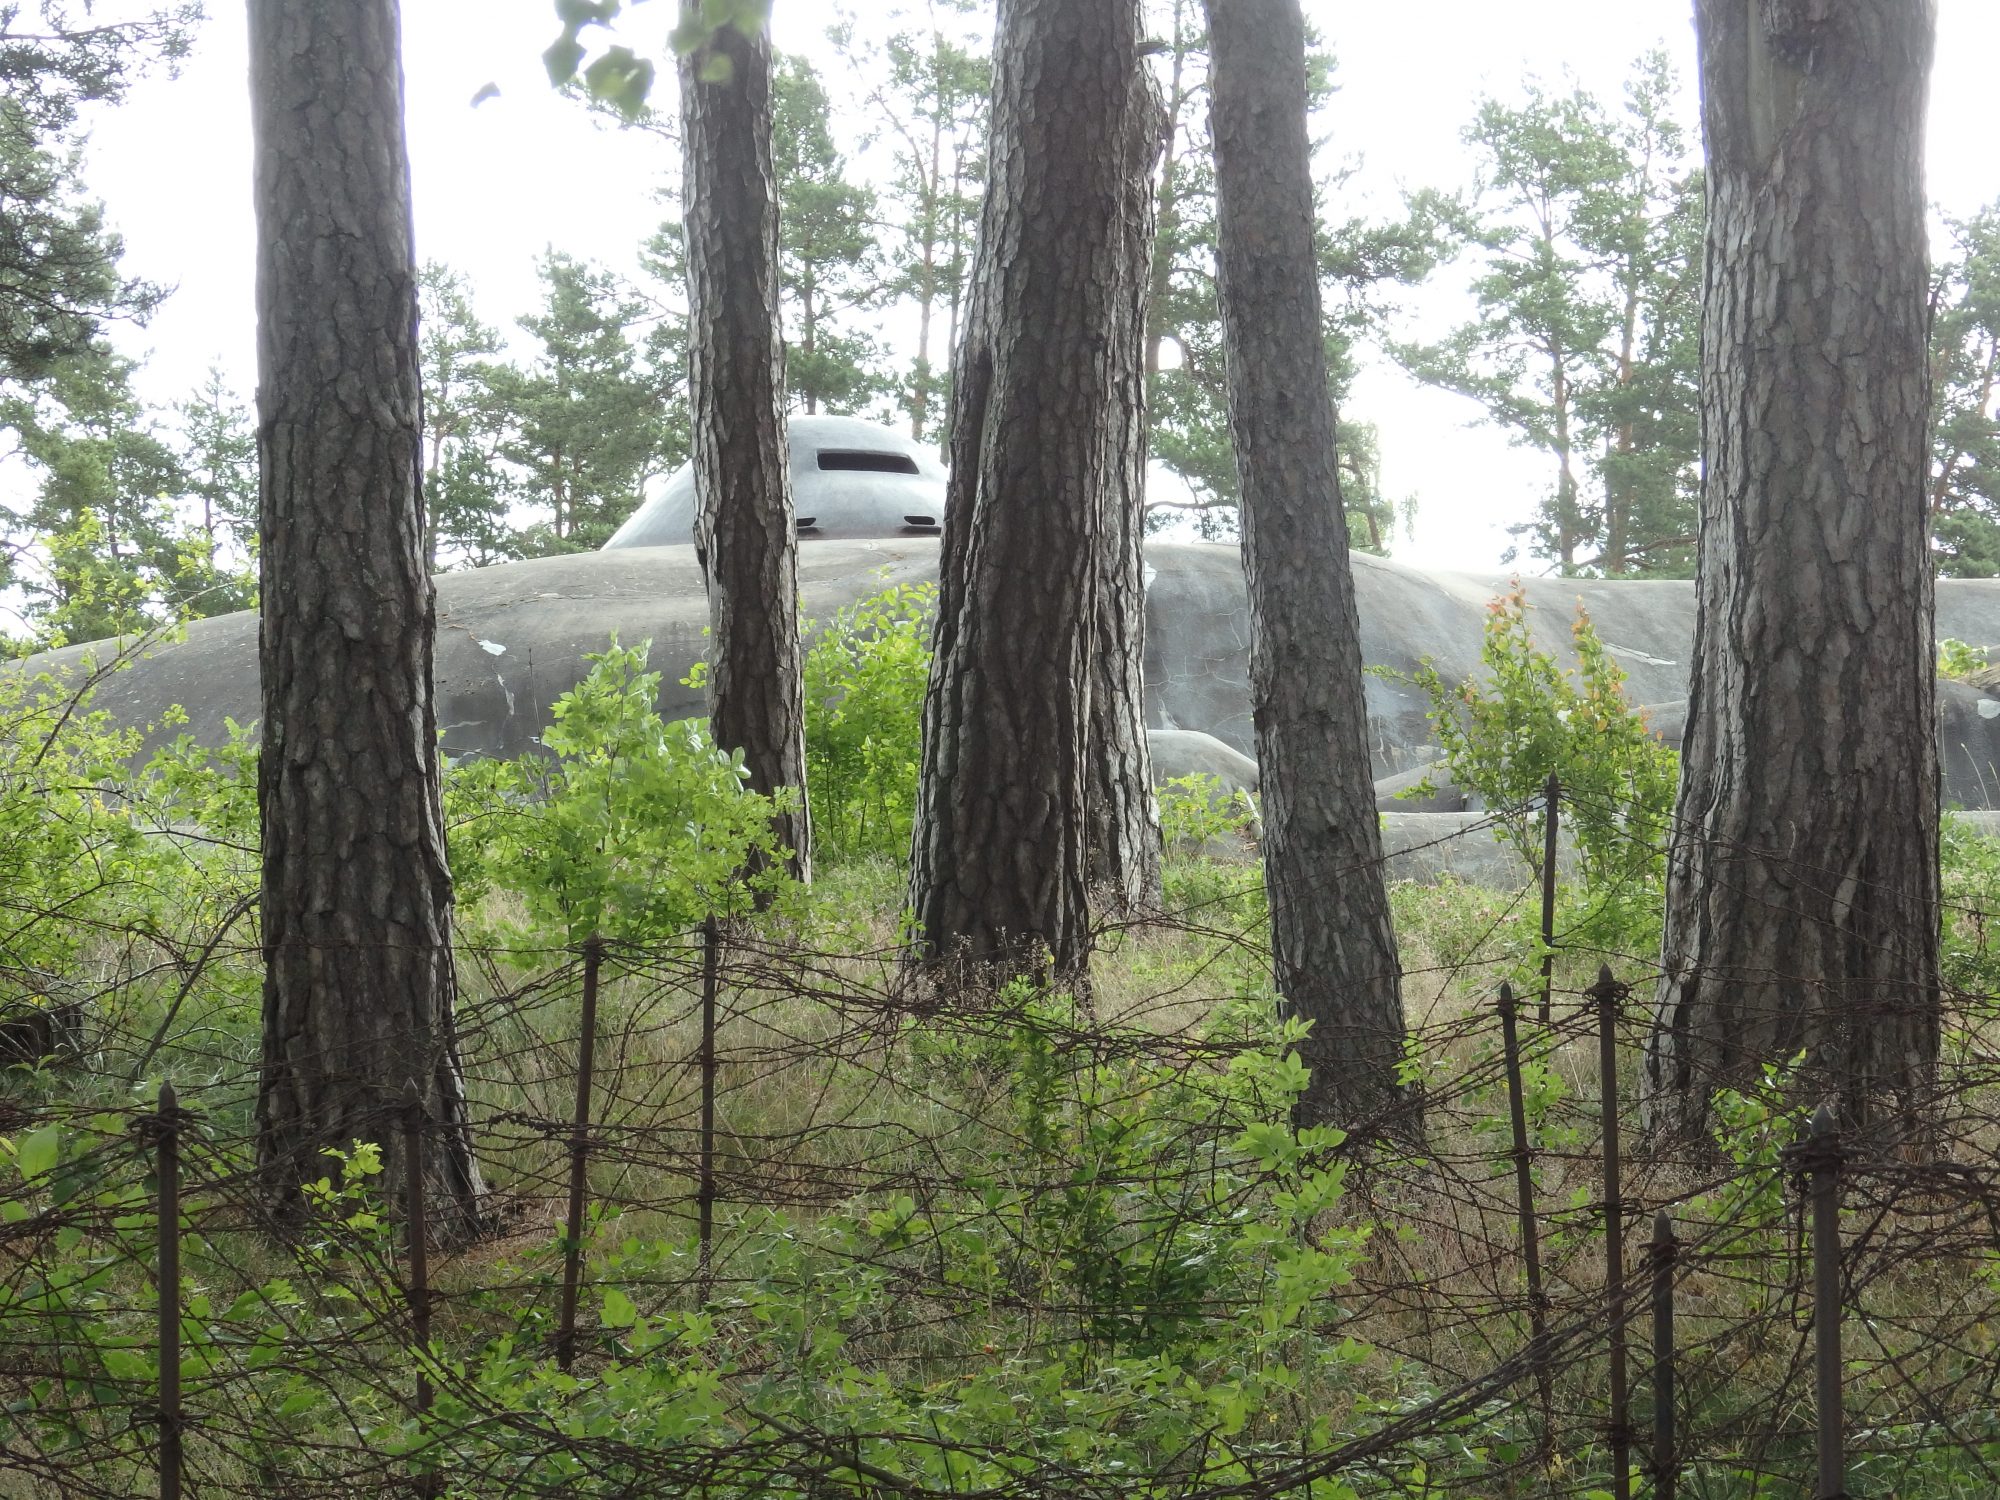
point(513, 638)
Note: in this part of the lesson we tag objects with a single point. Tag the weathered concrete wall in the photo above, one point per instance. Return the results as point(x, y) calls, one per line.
point(511, 639)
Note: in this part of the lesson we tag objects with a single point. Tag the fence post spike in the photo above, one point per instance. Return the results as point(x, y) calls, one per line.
point(1666, 1466)
point(427, 1481)
point(1551, 831)
point(705, 1204)
point(579, 1156)
point(170, 1294)
point(1605, 992)
point(1823, 1162)
point(1524, 1192)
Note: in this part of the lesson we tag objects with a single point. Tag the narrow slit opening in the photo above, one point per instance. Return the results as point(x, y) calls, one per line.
point(872, 463)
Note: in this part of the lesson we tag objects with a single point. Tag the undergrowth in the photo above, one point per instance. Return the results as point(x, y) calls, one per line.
point(999, 1245)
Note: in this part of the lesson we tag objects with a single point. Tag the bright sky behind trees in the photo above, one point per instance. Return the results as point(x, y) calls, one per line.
point(529, 170)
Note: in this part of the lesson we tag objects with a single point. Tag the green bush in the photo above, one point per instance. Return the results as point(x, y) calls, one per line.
point(864, 705)
point(72, 860)
point(1503, 736)
point(1970, 871)
point(1197, 815)
point(1956, 659)
point(631, 829)
point(1195, 812)
point(1141, 1270)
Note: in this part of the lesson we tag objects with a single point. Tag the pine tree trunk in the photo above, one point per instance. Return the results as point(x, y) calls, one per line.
point(1123, 856)
point(359, 982)
point(744, 531)
point(1802, 903)
point(999, 872)
point(1333, 948)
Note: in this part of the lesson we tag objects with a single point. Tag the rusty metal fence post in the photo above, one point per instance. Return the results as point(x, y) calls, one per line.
point(1665, 1254)
point(1524, 1192)
point(426, 1482)
point(1606, 994)
point(579, 1156)
point(167, 1132)
point(711, 941)
point(1821, 1161)
point(1551, 826)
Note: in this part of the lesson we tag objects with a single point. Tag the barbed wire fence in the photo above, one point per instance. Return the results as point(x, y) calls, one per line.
point(768, 1219)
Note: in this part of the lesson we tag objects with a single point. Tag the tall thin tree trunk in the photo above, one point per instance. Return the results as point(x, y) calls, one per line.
point(744, 530)
point(358, 982)
point(1569, 524)
point(1123, 857)
point(1333, 946)
point(1167, 218)
point(920, 386)
point(1802, 900)
point(998, 876)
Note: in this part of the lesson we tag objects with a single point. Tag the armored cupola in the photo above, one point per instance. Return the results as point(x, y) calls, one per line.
point(851, 480)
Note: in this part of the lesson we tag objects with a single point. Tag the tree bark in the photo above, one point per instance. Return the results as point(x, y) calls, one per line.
point(744, 530)
point(359, 982)
point(1333, 948)
point(1123, 855)
point(1802, 900)
point(999, 870)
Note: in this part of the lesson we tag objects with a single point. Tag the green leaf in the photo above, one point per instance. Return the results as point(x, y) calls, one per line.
point(619, 1311)
point(621, 79)
point(717, 68)
point(577, 14)
point(690, 35)
point(562, 58)
point(37, 1154)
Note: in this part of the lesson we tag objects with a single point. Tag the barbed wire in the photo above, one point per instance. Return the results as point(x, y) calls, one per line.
point(893, 1170)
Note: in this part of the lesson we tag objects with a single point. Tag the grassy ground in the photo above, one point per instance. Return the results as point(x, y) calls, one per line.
point(977, 1197)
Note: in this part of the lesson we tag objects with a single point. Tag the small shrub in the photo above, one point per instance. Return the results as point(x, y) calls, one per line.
point(1503, 736)
point(1956, 659)
point(631, 829)
point(1970, 870)
point(1197, 817)
point(1195, 813)
point(864, 705)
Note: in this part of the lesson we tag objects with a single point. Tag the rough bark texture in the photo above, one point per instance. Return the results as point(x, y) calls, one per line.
point(1333, 948)
point(999, 872)
point(1123, 853)
point(1802, 904)
point(358, 984)
point(744, 531)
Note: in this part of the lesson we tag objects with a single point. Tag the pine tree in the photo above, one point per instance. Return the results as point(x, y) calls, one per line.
point(105, 555)
point(745, 539)
point(928, 88)
point(829, 266)
point(1589, 224)
point(215, 445)
point(59, 275)
point(359, 979)
point(466, 491)
point(1802, 910)
point(585, 428)
point(1040, 400)
point(1333, 946)
point(1965, 374)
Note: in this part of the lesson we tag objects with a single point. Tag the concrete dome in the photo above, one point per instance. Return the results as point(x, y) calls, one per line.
point(851, 481)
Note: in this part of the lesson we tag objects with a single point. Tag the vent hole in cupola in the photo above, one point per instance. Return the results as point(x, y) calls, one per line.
point(871, 463)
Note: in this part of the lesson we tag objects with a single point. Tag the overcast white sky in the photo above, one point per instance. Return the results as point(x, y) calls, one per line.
point(496, 185)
